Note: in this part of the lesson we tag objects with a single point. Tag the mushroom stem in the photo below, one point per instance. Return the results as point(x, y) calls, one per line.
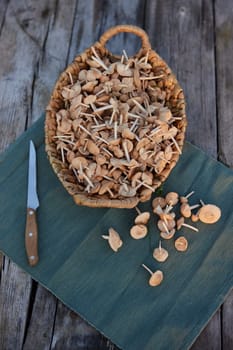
point(191, 227)
point(139, 106)
point(125, 54)
point(189, 194)
point(176, 145)
point(105, 237)
point(147, 268)
point(126, 151)
point(160, 245)
point(194, 206)
point(202, 203)
point(166, 229)
point(115, 130)
point(138, 211)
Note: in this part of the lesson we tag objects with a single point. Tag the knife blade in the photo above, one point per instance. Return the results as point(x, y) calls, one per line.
point(31, 231)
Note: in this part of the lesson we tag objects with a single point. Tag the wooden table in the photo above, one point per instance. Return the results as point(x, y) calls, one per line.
point(37, 41)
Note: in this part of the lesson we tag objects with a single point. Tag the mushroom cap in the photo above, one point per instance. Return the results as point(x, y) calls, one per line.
point(138, 231)
point(179, 223)
point(161, 225)
point(158, 201)
point(181, 244)
point(172, 198)
point(194, 217)
point(165, 235)
point(114, 239)
point(160, 254)
point(142, 218)
point(209, 214)
point(129, 192)
point(183, 199)
point(185, 210)
point(158, 210)
point(156, 278)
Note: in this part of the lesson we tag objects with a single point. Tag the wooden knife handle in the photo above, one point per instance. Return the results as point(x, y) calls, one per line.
point(31, 237)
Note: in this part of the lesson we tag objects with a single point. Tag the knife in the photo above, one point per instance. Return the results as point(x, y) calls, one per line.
point(31, 232)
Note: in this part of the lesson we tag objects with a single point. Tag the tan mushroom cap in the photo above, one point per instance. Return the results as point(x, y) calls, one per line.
point(142, 218)
point(185, 210)
point(172, 198)
point(209, 213)
point(156, 278)
point(181, 244)
point(166, 235)
point(114, 239)
point(158, 201)
point(160, 254)
point(138, 231)
point(179, 223)
point(194, 217)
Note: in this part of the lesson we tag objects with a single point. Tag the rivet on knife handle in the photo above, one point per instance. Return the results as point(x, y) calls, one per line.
point(31, 237)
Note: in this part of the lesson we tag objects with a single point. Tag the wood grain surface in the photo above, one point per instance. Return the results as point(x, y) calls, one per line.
point(37, 41)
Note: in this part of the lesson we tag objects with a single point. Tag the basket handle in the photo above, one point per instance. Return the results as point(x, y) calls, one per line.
point(128, 29)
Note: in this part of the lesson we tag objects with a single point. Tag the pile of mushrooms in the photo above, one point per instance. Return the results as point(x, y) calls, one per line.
point(116, 133)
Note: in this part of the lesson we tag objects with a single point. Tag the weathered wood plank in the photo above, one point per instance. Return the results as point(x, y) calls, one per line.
point(224, 52)
point(227, 323)
point(182, 33)
point(14, 300)
point(41, 322)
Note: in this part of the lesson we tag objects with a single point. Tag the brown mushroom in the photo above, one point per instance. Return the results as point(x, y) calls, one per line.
point(168, 235)
point(194, 217)
point(181, 244)
point(114, 239)
point(184, 199)
point(158, 201)
point(156, 277)
point(172, 198)
point(209, 213)
point(186, 209)
point(138, 231)
point(142, 218)
point(160, 254)
point(180, 222)
point(127, 191)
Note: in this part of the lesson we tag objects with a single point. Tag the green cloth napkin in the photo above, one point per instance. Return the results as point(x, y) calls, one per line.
point(110, 290)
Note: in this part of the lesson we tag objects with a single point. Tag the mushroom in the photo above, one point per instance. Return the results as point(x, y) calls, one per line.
point(180, 222)
point(167, 235)
point(172, 198)
point(186, 209)
point(158, 201)
point(127, 191)
point(181, 244)
point(138, 231)
point(123, 70)
point(156, 277)
point(194, 217)
point(160, 254)
point(209, 213)
point(184, 199)
point(142, 218)
point(92, 148)
point(114, 239)
point(79, 162)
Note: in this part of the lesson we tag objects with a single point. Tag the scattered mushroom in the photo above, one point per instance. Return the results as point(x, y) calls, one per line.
point(142, 218)
point(138, 231)
point(186, 209)
point(114, 239)
point(167, 235)
point(180, 222)
point(172, 198)
point(156, 277)
point(158, 201)
point(160, 254)
point(209, 213)
point(181, 244)
point(184, 199)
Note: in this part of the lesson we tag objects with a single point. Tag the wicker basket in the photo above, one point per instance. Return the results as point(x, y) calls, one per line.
point(174, 101)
